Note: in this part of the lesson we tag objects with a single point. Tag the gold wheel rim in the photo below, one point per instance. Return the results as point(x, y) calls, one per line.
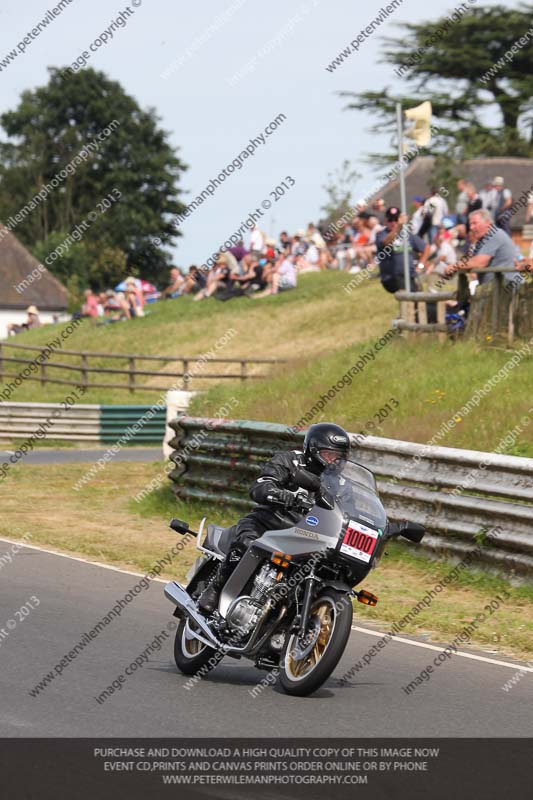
point(190, 645)
point(300, 668)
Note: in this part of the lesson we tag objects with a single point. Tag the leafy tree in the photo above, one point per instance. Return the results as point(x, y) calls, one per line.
point(109, 266)
point(461, 73)
point(48, 130)
point(339, 188)
point(75, 260)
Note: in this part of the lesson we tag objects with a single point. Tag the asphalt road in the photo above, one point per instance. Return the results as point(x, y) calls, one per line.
point(463, 698)
point(45, 455)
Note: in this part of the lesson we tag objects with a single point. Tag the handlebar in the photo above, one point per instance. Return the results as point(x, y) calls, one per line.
point(300, 503)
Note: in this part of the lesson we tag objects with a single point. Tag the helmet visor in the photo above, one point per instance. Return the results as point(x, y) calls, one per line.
point(332, 457)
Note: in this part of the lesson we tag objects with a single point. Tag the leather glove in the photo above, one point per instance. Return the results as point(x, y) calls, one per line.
point(285, 498)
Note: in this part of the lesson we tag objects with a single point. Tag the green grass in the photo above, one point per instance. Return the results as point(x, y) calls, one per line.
point(307, 321)
point(431, 382)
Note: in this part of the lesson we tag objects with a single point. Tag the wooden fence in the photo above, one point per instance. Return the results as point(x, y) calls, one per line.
point(39, 368)
point(498, 309)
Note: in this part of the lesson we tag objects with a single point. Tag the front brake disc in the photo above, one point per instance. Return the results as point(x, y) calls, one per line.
point(303, 647)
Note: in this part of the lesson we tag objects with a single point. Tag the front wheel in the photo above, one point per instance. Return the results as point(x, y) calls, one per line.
point(191, 655)
point(307, 663)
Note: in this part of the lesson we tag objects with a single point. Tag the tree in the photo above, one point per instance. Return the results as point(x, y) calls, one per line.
point(46, 132)
point(339, 187)
point(74, 261)
point(466, 75)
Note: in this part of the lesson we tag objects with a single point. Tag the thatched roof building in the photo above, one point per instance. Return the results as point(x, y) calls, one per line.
point(25, 282)
point(517, 172)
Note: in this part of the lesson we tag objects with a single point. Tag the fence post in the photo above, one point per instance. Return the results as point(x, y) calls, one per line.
point(513, 304)
point(441, 319)
point(185, 380)
point(132, 374)
point(498, 283)
point(84, 374)
point(243, 371)
point(43, 374)
point(1, 361)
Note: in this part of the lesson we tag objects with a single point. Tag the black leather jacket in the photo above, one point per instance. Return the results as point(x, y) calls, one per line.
point(278, 473)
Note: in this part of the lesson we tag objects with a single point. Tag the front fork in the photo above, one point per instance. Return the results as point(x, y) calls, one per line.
point(301, 621)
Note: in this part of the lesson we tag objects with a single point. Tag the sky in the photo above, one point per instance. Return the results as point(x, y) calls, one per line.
point(217, 73)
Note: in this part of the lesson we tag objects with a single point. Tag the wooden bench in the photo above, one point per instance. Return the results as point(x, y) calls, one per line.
point(414, 312)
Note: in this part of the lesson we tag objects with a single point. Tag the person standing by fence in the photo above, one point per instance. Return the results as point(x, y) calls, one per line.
point(491, 247)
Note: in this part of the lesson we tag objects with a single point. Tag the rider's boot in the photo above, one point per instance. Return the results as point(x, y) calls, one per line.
point(208, 600)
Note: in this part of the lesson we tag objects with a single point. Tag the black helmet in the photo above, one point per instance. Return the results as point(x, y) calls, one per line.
point(323, 437)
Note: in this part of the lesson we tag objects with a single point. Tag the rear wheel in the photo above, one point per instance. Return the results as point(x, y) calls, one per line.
point(307, 663)
point(190, 654)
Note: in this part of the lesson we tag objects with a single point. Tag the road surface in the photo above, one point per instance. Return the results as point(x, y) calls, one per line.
point(463, 698)
point(45, 455)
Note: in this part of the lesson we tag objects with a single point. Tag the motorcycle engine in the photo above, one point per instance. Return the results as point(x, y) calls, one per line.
point(265, 580)
point(245, 612)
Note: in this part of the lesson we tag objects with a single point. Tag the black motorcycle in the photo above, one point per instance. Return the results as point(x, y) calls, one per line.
point(287, 605)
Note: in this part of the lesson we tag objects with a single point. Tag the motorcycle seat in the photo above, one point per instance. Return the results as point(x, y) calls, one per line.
point(219, 539)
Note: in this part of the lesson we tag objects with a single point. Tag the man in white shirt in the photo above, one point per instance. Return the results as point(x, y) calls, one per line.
point(438, 208)
point(257, 240)
point(315, 237)
point(418, 216)
point(285, 277)
point(444, 253)
point(503, 202)
point(461, 202)
point(529, 210)
point(488, 197)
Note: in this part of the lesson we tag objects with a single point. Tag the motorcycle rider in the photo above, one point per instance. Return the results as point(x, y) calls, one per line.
point(325, 445)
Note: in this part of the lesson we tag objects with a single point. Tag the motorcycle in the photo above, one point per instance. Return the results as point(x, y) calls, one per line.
point(287, 604)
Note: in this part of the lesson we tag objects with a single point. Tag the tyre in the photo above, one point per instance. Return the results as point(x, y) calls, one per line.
point(190, 655)
point(306, 665)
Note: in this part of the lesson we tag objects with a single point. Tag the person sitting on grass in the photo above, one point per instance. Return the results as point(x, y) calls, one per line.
point(256, 276)
point(134, 298)
point(90, 304)
point(32, 321)
point(174, 289)
point(282, 277)
point(218, 279)
point(195, 280)
point(115, 307)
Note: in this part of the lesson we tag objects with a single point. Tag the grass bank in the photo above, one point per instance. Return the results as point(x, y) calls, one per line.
point(309, 322)
point(322, 331)
point(429, 382)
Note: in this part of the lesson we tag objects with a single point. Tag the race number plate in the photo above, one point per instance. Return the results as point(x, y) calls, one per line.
point(359, 541)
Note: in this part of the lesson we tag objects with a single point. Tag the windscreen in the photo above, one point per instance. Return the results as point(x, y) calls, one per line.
point(355, 493)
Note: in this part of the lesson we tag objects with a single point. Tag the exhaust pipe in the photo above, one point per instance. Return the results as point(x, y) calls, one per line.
point(177, 595)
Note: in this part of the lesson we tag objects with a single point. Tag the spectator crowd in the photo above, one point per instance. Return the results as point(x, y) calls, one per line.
point(440, 242)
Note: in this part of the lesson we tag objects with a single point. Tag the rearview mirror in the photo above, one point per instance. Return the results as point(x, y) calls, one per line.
point(179, 526)
point(412, 531)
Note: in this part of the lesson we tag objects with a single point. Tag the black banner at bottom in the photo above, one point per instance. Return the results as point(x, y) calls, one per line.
point(266, 768)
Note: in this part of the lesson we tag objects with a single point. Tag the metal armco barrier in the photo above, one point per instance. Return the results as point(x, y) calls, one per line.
point(83, 422)
point(116, 420)
point(217, 460)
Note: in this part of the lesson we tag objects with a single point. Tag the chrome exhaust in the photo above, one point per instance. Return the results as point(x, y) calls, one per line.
point(177, 595)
